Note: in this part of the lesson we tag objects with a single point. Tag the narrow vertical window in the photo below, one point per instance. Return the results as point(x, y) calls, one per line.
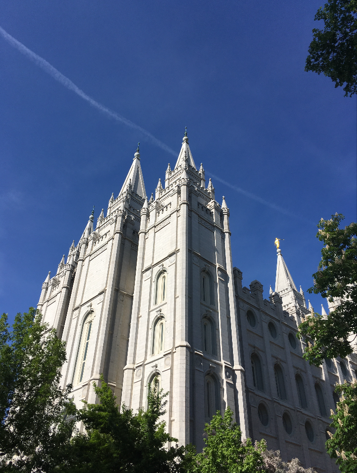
point(160, 295)
point(206, 288)
point(211, 397)
point(301, 391)
point(320, 400)
point(82, 356)
point(257, 372)
point(158, 336)
point(279, 382)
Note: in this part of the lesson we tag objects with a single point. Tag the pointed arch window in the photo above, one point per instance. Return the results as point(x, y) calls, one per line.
point(320, 400)
point(279, 382)
point(158, 336)
point(161, 288)
point(209, 345)
point(257, 372)
point(155, 383)
point(301, 391)
point(207, 288)
point(211, 397)
point(82, 356)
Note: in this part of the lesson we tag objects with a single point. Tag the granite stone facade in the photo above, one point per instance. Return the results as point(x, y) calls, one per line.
point(151, 294)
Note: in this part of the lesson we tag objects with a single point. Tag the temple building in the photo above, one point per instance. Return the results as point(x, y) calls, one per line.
point(150, 292)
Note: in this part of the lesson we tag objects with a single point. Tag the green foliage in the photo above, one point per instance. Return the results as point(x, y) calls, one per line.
point(34, 431)
point(343, 443)
point(225, 452)
point(336, 279)
point(117, 440)
point(333, 50)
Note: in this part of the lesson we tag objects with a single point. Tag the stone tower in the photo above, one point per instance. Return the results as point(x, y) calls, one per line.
point(183, 325)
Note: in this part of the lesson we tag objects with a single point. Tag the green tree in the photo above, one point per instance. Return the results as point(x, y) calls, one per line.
point(117, 440)
point(333, 50)
point(336, 278)
point(34, 430)
point(343, 443)
point(225, 452)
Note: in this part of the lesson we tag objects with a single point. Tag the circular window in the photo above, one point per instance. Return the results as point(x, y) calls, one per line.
point(292, 340)
point(309, 431)
point(251, 318)
point(328, 362)
point(272, 329)
point(343, 368)
point(288, 426)
point(263, 414)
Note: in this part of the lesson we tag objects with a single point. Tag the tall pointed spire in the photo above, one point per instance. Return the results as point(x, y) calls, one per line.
point(135, 177)
point(323, 311)
point(283, 277)
point(185, 155)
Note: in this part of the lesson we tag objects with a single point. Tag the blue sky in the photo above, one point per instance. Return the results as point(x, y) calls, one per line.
point(279, 143)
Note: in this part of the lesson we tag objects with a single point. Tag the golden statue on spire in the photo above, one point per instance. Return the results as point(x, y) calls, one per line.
point(277, 242)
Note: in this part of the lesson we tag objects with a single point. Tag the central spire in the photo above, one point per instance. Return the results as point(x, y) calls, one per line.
point(283, 277)
point(135, 176)
point(185, 155)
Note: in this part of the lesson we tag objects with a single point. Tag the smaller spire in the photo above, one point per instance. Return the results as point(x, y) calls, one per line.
point(168, 170)
point(151, 198)
point(100, 218)
point(224, 205)
point(145, 206)
point(309, 306)
point(61, 265)
point(301, 291)
point(159, 185)
point(111, 200)
point(73, 246)
point(323, 311)
point(47, 280)
point(270, 290)
point(201, 170)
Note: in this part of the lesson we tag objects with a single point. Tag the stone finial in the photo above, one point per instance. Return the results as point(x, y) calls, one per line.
point(91, 217)
point(270, 290)
point(210, 185)
point(301, 291)
point(323, 311)
point(137, 152)
point(309, 306)
point(73, 246)
point(111, 200)
point(201, 170)
point(168, 170)
point(151, 198)
point(224, 204)
point(47, 280)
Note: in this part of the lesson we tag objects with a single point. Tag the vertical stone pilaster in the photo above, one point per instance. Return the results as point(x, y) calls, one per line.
point(237, 362)
point(133, 334)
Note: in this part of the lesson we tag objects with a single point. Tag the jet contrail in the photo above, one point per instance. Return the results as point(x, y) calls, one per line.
point(259, 199)
point(59, 77)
